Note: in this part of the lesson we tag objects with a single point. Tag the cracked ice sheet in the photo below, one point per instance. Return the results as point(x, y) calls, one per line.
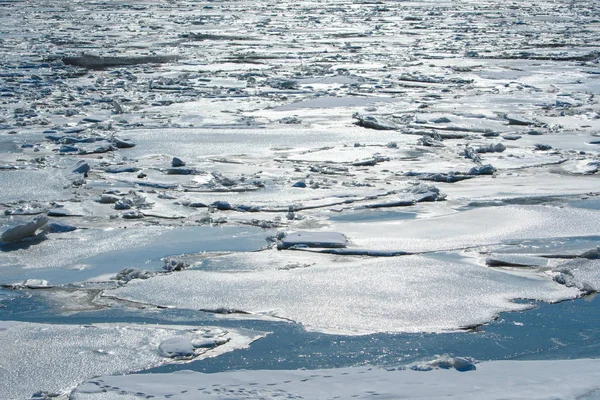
point(351, 295)
point(31, 352)
point(532, 380)
point(476, 227)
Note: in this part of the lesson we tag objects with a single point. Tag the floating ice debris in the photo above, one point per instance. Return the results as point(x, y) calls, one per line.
point(121, 169)
point(29, 284)
point(121, 204)
point(423, 193)
point(482, 170)
point(515, 260)
point(130, 273)
point(492, 148)
point(133, 214)
point(177, 162)
point(429, 141)
point(24, 230)
point(81, 167)
point(290, 121)
point(299, 184)
point(173, 264)
point(512, 137)
point(581, 273)
point(370, 162)
point(593, 254)
point(542, 147)
point(372, 122)
point(121, 144)
point(445, 361)
point(224, 310)
point(57, 227)
point(472, 154)
point(313, 239)
point(177, 347)
point(221, 205)
point(181, 171)
point(450, 177)
point(98, 62)
point(518, 120)
point(106, 198)
point(26, 210)
point(61, 212)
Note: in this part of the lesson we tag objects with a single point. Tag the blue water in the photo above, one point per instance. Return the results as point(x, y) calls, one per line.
point(566, 330)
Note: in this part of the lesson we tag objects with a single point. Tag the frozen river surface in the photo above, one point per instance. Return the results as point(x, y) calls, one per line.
point(359, 194)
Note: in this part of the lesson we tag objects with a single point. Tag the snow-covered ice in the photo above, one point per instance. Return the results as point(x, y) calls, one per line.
point(53, 358)
point(568, 379)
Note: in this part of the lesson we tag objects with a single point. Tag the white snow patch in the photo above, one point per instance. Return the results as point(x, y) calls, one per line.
point(532, 380)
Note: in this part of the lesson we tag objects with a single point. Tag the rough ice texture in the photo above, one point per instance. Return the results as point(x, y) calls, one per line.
point(23, 230)
point(55, 358)
point(531, 380)
point(352, 295)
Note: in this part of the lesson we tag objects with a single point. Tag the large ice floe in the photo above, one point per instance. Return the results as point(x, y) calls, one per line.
point(354, 167)
point(447, 377)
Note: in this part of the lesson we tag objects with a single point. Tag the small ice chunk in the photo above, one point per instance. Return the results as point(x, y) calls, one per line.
point(515, 260)
point(314, 239)
point(108, 198)
point(542, 147)
point(81, 167)
point(177, 162)
point(24, 230)
point(29, 284)
point(57, 227)
point(445, 361)
point(124, 204)
point(512, 137)
point(177, 347)
point(371, 122)
point(518, 120)
point(209, 343)
point(172, 264)
point(482, 170)
point(128, 274)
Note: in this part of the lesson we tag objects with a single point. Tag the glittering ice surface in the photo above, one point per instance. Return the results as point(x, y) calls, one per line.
point(54, 358)
point(360, 168)
point(353, 296)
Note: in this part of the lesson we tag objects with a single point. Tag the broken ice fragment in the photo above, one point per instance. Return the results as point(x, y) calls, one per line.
point(482, 170)
point(542, 147)
point(518, 120)
point(177, 347)
point(132, 215)
point(122, 144)
point(56, 227)
point(121, 169)
point(371, 122)
point(29, 284)
point(511, 137)
point(313, 239)
point(129, 274)
point(172, 264)
point(24, 230)
point(177, 162)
